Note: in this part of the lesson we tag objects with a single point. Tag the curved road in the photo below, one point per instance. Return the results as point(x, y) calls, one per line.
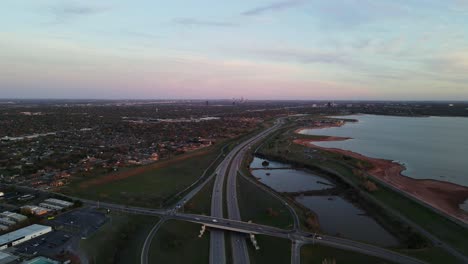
point(245, 227)
point(229, 166)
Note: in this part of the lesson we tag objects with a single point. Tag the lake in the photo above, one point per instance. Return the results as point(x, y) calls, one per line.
point(429, 147)
point(287, 180)
point(340, 217)
point(336, 216)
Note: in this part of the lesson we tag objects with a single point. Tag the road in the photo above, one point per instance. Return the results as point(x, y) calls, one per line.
point(296, 252)
point(240, 252)
point(299, 237)
point(435, 241)
point(293, 212)
point(146, 245)
point(230, 166)
point(247, 228)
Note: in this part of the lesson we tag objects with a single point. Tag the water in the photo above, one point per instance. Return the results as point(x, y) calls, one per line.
point(336, 216)
point(291, 180)
point(257, 163)
point(340, 217)
point(429, 147)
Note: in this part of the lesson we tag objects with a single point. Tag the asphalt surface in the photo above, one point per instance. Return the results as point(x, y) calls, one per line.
point(437, 242)
point(240, 252)
point(247, 228)
point(229, 167)
point(146, 245)
point(296, 252)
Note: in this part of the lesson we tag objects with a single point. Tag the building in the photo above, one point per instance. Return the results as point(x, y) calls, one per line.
point(7, 258)
point(13, 216)
point(6, 222)
point(41, 260)
point(34, 210)
point(24, 234)
point(26, 197)
point(58, 202)
point(51, 206)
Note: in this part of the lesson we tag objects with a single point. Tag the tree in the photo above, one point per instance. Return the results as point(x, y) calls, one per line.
point(370, 186)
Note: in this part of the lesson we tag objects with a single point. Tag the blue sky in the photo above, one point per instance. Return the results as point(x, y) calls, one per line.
point(291, 49)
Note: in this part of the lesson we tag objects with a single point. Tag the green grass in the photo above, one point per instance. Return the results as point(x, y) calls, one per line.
point(254, 204)
point(120, 240)
point(272, 250)
point(201, 202)
point(432, 255)
point(433, 222)
point(438, 225)
point(178, 242)
point(153, 186)
point(315, 254)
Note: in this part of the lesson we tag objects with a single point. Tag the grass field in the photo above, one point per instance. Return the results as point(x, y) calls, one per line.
point(201, 202)
point(280, 146)
point(259, 206)
point(178, 242)
point(272, 250)
point(152, 185)
point(432, 255)
point(120, 240)
point(438, 225)
point(315, 254)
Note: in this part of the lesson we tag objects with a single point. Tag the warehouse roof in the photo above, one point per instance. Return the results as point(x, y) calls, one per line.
point(21, 233)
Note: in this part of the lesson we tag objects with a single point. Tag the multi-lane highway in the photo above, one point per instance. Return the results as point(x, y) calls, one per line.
point(240, 253)
point(215, 223)
point(229, 167)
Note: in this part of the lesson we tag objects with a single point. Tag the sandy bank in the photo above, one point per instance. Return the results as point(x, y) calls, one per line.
point(444, 196)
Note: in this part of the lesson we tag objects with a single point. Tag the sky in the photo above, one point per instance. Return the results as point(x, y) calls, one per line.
point(256, 49)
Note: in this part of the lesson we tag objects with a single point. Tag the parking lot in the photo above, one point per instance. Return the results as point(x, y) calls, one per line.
point(50, 244)
point(82, 222)
point(69, 228)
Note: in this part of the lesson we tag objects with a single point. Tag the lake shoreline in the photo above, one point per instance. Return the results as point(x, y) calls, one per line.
point(442, 195)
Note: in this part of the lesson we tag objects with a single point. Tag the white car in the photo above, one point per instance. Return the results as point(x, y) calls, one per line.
point(215, 221)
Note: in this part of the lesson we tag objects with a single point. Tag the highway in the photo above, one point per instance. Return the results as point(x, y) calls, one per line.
point(296, 252)
point(230, 166)
point(247, 228)
point(240, 252)
point(217, 224)
point(435, 241)
point(299, 237)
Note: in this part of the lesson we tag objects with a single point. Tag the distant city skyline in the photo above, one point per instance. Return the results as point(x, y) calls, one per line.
point(290, 49)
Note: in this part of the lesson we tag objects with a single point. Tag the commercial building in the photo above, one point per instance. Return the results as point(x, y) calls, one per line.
point(7, 258)
point(13, 216)
point(24, 234)
point(57, 202)
point(41, 260)
point(6, 222)
point(34, 210)
point(51, 206)
point(26, 197)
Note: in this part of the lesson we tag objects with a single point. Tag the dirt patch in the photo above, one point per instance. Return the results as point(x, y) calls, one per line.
point(444, 196)
point(138, 170)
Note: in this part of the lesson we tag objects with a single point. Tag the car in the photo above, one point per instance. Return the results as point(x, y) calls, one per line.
point(319, 237)
point(214, 221)
point(198, 219)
